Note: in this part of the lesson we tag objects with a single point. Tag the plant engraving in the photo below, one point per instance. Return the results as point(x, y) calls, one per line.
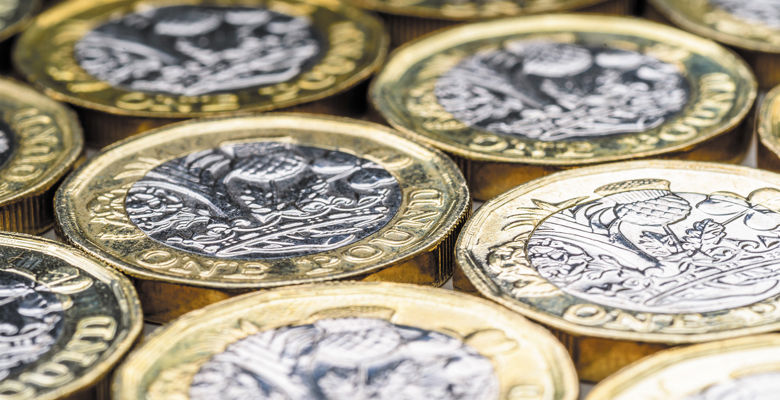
point(548, 91)
point(263, 200)
point(346, 358)
point(197, 50)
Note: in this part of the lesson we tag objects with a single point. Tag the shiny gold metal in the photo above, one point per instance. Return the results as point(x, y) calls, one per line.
point(745, 368)
point(768, 128)
point(464, 342)
point(625, 259)
point(755, 33)
point(399, 206)
point(40, 141)
point(704, 124)
point(351, 46)
point(67, 320)
point(15, 15)
point(407, 20)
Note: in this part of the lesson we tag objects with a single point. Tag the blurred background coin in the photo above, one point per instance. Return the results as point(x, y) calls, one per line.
point(131, 65)
point(516, 99)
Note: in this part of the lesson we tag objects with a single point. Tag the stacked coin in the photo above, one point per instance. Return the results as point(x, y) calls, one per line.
point(517, 99)
point(625, 259)
point(131, 65)
point(350, 341)
point(199, 211)
point(752, 27)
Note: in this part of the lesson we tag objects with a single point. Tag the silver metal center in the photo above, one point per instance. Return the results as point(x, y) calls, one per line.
point(766, 12)
point(263, 200)
point(196, 50)
point(30, 321)
point(548, 91)
point(347, 358)
point(764, 386)
point(660, 251)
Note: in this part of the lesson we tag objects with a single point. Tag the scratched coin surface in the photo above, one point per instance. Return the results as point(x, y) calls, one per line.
point(179, 59)
point(753, 25)
point(350, 340)
point(257, 202)
point(745, 368)
point(653, 251)
point(563, 89)
point(40, 141)
point(62, 313)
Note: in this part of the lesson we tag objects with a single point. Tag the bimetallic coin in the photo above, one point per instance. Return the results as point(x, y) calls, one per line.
point(520, 98)
point(40, 141)
point(768, 128)
point(744, 368)
point(350, 341)
point(753, 27)
point(199, 211)
point(629, 258)
point(410, 19)
point(65, 320)
point(134, 64)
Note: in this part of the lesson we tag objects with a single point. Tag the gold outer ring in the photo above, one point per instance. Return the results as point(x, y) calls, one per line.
point(505, 338)
point(415, 246)
point(48, 142)
point(751, 39)
point(681, 372)
point(93, 382)
point(494, 163)
point(608, 338)
point(22, 20)
point(357, 45)
point(410, 20)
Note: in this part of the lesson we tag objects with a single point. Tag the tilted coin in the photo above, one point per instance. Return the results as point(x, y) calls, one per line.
point(768, 129)
point(409, 19)
point(744, 368)
point(131, 65)
point(40, 141)
point(350, 341)
point(519, 98)
point(65, 320)
point(628, 258)
point(15, 15)
point(199, 211)
point(753, 27)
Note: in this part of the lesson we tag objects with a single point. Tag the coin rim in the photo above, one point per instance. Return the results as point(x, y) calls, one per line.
point(411, 53)
point(487, 288)
point(127, 374)
point(767, 134)
point(436, 13)
point(73, 233)
point(70, 256)
point(684, 21)
point(636, 372)
point(64, 119)
point(24, 50)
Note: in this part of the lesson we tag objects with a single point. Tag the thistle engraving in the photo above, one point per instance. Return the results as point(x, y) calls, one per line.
point(30, 321)
point(766, 12)
point(646, 248)
point(763, 386)
point(196, 50)
point(548, 91)
point(346, 358)
point(263, 200)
